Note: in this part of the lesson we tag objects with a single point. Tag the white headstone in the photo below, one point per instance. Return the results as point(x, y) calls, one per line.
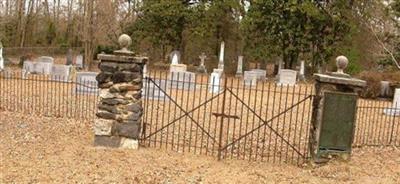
point(1, 57)
point(395, 110)
point(215, 82)
point(28, 66)
point(177, 68)
point(261, 74)
point(86, 83)
point(239, 71)
point(302, 70)
point(182, 80)
point(221, 56)
point(155, 90)
point(175, 59)
point(280, 66)
point(45, 59)
point(287, 77)
point(43, 68)
point(79, 61)
point(250, 78)
point(145, 71)
point(202, 68)
point(60, 73)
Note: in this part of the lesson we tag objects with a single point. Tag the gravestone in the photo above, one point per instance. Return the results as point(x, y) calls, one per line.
point(182, 80)
point(60, 73)
point(395, 110)
point(215, 82)
point(239, 71)
point(43, 68)
point(86, 83)
point(250, 78)
point(45, 59)
point(29, 66)
point(155, 90)
point(79, 61)
point(261, 74)
point(175, 66)
point(1, 57)
point(385, 88)
point(221, 56)
point(280, 66)
point(287, 77)
point(202, 68)
point(69, 57)
point(302, 70)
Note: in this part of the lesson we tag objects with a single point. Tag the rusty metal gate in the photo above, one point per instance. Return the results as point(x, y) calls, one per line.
point(227, 117)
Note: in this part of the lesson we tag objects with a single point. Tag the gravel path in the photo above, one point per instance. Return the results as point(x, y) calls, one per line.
point(49, 150)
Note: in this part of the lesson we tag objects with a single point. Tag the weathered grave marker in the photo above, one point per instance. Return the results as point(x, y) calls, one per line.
point(86, 83)
point(79, 61)
point(60, 73)
point(182, 80)
point(250, 78)
point(395, 110)
point(239, 71)
point(202, 68)
point(221, 56)
point(215, 82)
point(1, 57)
point(43, 68)
point(155, 89)
point(69, 57)
point(287, 77)
point(261, 74)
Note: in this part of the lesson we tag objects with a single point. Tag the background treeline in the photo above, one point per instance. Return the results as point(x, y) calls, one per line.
point(264, 31)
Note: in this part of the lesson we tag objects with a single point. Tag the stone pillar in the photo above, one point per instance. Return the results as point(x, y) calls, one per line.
point(119, 113)
point(334, 114)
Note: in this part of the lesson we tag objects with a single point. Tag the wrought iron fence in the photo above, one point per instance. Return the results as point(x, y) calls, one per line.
point(227, 117)
point(378, 123)
point(45, 95)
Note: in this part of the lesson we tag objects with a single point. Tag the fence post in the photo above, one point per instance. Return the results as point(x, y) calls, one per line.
point(120, 108)
point(222, 119)
point(334, 114)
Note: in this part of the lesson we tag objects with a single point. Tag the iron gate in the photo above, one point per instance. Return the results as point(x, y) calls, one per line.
point(227, 118)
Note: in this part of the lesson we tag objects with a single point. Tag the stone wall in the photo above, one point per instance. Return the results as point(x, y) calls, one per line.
point(118, 122)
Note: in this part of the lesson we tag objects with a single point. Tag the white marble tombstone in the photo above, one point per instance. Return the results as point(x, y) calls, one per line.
point(43, 68)
point(28, 66)
point(1, 57)
point(280, 66)
point(182, 80)
point(45, 59)
point(221, 56)
point(215, 82)
point(155, 90)
point(287, 77)
point(175, 66)
point(79, 61)
point(202, 68)
point(302, 70)
point(261, 74)
point(86, 83)
point(250, 78)
point(395, 110)
point(239, 71)
point(60, 73)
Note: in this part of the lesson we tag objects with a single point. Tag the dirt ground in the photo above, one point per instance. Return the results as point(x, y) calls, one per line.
point(48, 150)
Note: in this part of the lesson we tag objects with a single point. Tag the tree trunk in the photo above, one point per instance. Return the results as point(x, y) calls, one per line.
point(88, 33)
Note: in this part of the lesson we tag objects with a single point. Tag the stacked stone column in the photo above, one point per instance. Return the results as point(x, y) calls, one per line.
point(119, 113)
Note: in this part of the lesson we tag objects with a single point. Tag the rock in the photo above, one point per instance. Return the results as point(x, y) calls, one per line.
point(108, 67)
point(103, 127)
point(115, 101)
point(103, 77)
point(129, 143)
point(106, 115)
point(131, 67)
point(119, 77)
point(129, 130)
point(105, 94)
point(105, 85)
point(135, 107)
point(109, 108)
point(107, 141)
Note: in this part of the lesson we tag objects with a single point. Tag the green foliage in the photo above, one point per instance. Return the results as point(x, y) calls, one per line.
point(295, 27)
point(51, 33)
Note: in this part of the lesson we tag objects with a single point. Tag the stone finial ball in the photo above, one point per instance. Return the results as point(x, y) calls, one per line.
point(342, 62)
point(124, 41)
